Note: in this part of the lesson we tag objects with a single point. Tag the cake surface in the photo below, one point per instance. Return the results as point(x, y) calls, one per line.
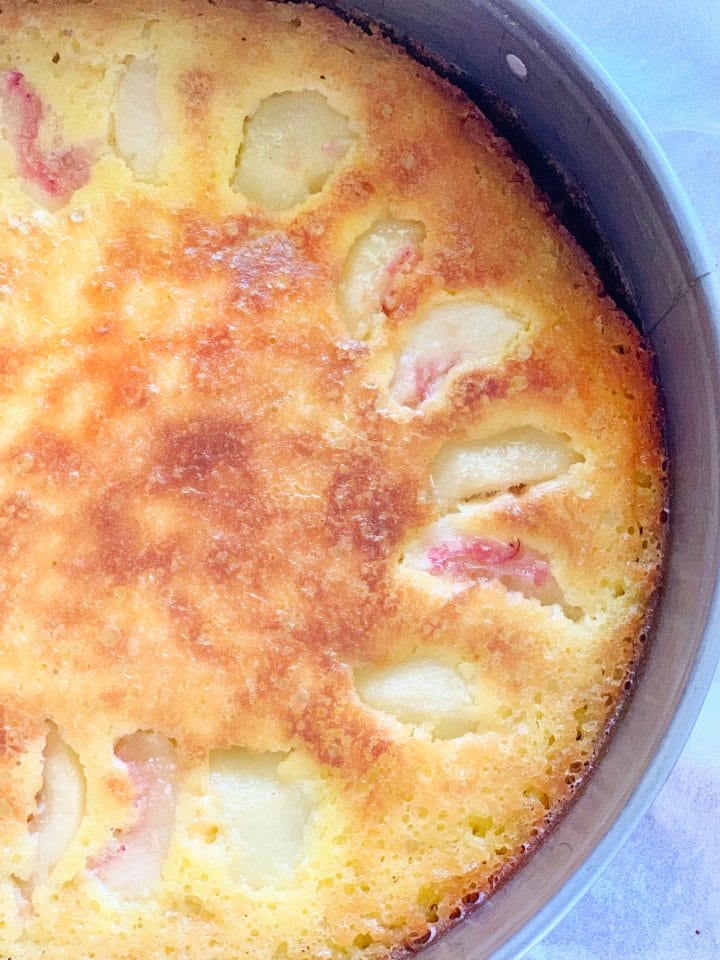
point(331, 490)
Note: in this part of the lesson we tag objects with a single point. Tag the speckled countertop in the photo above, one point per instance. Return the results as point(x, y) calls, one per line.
point(660, 898)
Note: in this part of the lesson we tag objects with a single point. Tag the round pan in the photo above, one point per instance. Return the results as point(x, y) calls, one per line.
point(557, 103)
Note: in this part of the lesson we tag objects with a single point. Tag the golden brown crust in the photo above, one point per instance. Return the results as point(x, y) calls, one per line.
point(207, 494)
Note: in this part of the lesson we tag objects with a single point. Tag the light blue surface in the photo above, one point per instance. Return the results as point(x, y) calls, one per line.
point(665, 883)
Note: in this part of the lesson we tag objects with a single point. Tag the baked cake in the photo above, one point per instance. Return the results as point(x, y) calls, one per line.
point(331, 490)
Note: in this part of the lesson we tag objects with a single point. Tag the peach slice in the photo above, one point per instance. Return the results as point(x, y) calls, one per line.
point(133, 861)
point(51, 174)
point(469, 470)
point(453, 336)
point(464, 558)
point(137, 125)
point(59, 807)
point(421, 691)
point(292, 144)
point(373, 269)
point(263, 814)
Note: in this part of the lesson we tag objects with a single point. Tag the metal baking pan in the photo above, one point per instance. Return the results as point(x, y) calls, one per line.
point(587, 146)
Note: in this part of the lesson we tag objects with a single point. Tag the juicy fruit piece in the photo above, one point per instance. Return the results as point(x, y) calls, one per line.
point(468, 559)
point(421, 691)
point(133, 861)
point(468, 470)
point(453, 335)
point(486, 558)
point(292, 143)
point(137, 125)
point(53, 175)
point(373, 268)
point(60, 805)
point(263, 815)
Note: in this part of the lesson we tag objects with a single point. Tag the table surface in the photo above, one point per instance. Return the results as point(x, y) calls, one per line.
point(660, 898)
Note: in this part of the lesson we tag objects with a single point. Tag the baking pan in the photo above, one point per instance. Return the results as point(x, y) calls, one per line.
point(592, 153)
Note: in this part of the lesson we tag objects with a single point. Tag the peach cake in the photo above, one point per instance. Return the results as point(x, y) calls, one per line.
point(331, 490)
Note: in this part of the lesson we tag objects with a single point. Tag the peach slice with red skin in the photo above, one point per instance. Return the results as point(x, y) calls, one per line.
point(486, 558)
point(54, 174)
point(132, 863)
point(466, 559)
point(373, 270)
point(453, 336)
